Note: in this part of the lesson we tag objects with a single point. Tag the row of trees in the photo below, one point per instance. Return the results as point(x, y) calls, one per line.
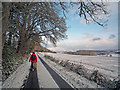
point(27, 23)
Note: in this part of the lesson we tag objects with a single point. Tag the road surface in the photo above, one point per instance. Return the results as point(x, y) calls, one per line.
point(43, 77)
point(60, 82)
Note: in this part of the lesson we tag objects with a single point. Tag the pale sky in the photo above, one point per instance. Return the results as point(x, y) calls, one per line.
point(83, 36)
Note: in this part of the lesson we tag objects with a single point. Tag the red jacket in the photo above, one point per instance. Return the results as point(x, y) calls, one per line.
point(32, 60)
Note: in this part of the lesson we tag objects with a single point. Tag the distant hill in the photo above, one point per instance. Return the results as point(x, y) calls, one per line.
point(83, 52)
point(87, 52)
point(92, 52)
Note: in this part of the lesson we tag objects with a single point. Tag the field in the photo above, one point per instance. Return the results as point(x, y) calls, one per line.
point(108, 66)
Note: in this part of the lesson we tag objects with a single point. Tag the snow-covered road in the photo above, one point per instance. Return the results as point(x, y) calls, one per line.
point(44, 77)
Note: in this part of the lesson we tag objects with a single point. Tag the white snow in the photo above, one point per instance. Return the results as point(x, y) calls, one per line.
point(75, 80)
point(106, 65)
point(16, 80)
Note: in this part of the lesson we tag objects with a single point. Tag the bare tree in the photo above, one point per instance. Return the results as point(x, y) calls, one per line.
point(39, 19)
point(89, 10)
point(30, 20)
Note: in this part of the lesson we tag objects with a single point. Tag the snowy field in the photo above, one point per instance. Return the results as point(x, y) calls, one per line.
point(106, 65)
point(75, 80)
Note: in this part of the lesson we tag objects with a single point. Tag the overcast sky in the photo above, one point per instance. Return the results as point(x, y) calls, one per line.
point(83, 36)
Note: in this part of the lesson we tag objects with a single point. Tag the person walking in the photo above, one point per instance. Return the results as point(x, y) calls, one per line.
point(33, 60)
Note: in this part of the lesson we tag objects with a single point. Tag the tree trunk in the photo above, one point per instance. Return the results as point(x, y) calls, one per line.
point(21, 42)
point(5, 16)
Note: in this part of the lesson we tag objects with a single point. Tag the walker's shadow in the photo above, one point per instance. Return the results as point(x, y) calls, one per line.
point(32, 81)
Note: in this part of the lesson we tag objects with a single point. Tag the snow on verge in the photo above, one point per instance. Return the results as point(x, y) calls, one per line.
point(16, 80)
point(95, 76)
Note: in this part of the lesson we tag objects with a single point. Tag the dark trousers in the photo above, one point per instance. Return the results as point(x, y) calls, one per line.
point(32, 65)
